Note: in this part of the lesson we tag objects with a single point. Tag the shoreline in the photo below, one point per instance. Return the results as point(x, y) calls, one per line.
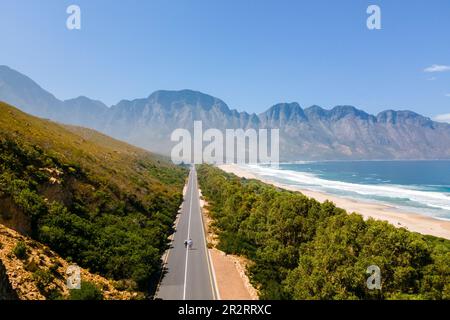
point(401, 219)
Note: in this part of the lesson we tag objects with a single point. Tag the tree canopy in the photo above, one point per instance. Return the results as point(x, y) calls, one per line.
point(303, 249)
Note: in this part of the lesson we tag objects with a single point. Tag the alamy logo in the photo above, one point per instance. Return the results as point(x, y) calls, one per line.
point(238, 146)
point(374, 20)
point(73, 22)
point(374, 281)
point(73, 273)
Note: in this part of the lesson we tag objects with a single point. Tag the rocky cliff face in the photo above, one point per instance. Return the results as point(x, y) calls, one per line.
point(314, 133)
point(343, 132)
point(13, 217)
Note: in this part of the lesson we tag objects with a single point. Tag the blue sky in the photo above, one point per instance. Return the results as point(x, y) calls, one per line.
point(252, 54)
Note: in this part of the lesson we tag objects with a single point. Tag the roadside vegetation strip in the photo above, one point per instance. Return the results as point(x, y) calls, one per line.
point(298, 244)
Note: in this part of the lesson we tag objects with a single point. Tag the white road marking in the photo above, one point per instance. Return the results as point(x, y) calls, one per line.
point(189, 230)
point(212, 273)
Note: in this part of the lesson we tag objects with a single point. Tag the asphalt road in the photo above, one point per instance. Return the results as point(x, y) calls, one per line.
point(189, 275)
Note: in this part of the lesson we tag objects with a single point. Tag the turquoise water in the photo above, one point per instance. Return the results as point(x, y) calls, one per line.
point(416, 186)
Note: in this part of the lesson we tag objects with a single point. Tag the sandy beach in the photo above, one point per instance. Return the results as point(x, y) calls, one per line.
point(408, 220)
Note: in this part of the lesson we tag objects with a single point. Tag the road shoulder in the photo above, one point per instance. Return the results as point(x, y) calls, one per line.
point(230, 271)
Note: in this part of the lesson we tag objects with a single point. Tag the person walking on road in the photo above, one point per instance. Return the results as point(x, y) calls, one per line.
point(190, 243)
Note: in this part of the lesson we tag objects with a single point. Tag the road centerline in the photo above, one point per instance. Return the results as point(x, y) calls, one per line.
point(189, 271)
point(188, 235)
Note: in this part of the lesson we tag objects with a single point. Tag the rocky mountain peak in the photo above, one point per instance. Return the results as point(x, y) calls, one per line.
point(344, 132)
point(285, 112)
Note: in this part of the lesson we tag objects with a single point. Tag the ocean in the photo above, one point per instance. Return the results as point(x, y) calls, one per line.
point(412, 186)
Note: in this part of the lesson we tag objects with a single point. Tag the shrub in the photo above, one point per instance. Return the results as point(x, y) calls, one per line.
point(54, 269)
point(55, 294)
point(125, 285)
point(43, 279)
point(20, 250)
point(31, 266)
point(88, 291)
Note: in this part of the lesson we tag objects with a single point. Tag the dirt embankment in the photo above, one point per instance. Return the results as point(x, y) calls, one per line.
point(230, 270)
point(41, 271)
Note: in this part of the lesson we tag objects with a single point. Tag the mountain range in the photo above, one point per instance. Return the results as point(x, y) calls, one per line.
point(313, 133)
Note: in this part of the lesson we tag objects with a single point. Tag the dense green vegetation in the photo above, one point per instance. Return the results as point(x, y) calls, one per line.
point(88, 291)
point(303, 249)
point(101, 203)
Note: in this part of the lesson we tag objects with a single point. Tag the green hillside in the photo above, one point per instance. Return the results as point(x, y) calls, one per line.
point(96, 201)
point(303, 249)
